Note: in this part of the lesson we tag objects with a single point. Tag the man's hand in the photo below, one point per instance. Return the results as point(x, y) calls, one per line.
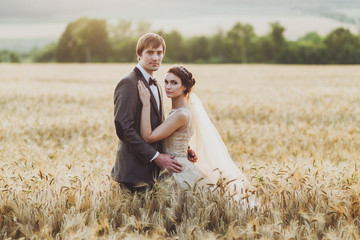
point(192, 155)
point(165, 161)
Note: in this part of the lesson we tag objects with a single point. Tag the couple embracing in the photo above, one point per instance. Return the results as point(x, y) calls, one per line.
point(149, 144)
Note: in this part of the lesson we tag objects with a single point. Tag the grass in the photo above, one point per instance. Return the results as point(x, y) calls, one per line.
point(293, 131)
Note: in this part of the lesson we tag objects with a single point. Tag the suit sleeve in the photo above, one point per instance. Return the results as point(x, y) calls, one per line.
point(125, 103)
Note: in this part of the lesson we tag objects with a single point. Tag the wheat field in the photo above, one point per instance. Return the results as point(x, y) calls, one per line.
point(293, 130)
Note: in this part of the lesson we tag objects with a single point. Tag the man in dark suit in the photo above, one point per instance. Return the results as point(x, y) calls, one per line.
point(138, 163)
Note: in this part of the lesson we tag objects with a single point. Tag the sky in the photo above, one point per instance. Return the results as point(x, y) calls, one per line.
point(69, 8)
point(17, 10)
point(46, 20)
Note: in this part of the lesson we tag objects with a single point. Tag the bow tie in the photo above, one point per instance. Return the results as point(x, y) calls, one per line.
point(152, 81)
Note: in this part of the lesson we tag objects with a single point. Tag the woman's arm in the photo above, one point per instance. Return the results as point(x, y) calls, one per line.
point(145, 122)
point(125, 106)
point(176, 121)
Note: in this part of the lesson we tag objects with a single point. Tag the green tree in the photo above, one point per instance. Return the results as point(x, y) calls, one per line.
point(238, 42)
point(263, 49)
point(123, 42)
point(9, 56)
point(198, 49)
point(217, 48)
point(343, 47)
point(309, 49)
point(278, 43)
point(120, 31)
point(85, 40)
point(312, 38)
point(125, 50)
point(3, 55)
point(305, 53)
point(44, 54)
point(175, 49)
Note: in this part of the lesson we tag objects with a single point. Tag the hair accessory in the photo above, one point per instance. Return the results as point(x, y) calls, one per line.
point(183, 70)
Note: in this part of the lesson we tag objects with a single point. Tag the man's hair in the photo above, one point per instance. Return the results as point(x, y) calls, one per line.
point(152, 40)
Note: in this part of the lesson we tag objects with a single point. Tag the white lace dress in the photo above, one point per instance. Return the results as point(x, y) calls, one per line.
point(177, 144)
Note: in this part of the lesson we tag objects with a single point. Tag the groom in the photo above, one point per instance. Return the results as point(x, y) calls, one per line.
point(138, 163)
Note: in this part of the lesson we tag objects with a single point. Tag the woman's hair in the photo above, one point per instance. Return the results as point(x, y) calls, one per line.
point(150, 40)
point(186, 77)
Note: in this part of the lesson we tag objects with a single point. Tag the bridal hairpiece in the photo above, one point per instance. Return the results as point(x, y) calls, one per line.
point(183, 70)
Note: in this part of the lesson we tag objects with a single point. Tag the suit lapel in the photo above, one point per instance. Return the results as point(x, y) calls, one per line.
point(152, 98)
point(161, 105)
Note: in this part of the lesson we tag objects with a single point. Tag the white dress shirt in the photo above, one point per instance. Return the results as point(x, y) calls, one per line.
point(154, 91)
point(153, 88)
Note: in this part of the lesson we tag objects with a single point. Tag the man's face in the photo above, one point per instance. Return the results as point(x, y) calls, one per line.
point(151, 58)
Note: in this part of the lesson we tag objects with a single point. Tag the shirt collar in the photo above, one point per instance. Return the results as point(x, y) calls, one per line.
point(146, 75)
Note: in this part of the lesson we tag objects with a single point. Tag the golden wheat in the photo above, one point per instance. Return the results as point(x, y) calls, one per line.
point(293, 130)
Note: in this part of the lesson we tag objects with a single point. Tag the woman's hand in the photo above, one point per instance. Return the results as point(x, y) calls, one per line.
point(144, 93)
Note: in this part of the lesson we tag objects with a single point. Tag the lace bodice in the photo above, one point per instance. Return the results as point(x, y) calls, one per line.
point(178, 142)
point(213, 155)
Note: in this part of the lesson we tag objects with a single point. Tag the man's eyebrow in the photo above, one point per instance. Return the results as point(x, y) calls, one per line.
point(154, 50)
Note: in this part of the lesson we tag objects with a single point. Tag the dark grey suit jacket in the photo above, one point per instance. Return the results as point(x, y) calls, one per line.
point(132, 164)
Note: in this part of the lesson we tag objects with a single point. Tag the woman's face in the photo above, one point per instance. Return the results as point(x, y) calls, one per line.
point(173, 86)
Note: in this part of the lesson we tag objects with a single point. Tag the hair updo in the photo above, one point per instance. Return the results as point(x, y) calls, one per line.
point(186, 77)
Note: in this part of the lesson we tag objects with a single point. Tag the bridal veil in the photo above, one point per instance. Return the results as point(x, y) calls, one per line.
point(213, 156)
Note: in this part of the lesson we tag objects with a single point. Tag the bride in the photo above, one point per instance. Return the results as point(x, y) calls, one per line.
point(189, 124)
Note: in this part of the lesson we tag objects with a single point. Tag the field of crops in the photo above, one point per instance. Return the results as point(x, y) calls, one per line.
point(293, 130)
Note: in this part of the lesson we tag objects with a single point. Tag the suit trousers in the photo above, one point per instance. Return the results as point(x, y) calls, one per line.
point(133, 188)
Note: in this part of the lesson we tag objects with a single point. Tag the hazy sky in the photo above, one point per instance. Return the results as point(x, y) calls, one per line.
point(47, 19)
point(19, 10)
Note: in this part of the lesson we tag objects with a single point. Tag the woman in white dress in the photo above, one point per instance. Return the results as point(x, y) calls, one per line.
point(188, 122)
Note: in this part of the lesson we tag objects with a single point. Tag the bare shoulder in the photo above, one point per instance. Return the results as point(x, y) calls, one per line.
point(180, 115)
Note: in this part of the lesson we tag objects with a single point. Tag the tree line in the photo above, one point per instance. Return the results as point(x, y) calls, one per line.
point(94, 40)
